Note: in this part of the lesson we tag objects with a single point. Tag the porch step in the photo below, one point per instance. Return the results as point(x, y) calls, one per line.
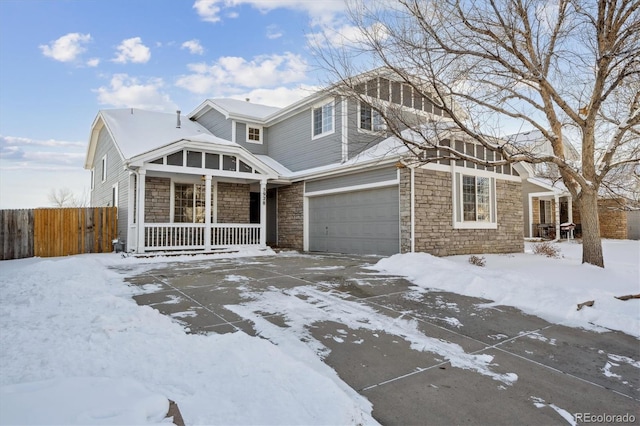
point(176, 253)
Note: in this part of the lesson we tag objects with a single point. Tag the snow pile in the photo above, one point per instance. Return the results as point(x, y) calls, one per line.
point(545, 287)
point(77, 349)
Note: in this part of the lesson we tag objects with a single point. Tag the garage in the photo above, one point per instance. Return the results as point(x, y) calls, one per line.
point(356, 222)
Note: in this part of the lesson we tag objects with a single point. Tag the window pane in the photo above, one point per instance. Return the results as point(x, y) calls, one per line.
point(212, 161)
point(254, 134)
point(469, 198)
point(183, 203)
point(365, 116)
point(194, 159)
point(327, 117)
point(229, 163)
point(406, 95)
point(317, 121)
point(175, 159)
point(244, 167)
point(199, 203)
point(157, 161)
point(482, 188)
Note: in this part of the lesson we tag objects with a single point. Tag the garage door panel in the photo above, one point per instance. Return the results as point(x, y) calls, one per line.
point(360, 222)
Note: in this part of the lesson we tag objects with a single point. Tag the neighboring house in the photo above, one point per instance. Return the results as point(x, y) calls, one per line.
point(318, 175)
point(547, 203)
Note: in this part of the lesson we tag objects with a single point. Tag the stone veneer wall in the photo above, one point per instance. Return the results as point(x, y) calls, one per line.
point(612, 218)
point(234, 203)
point(157, 199)
point(290, 216)
point(434, 231)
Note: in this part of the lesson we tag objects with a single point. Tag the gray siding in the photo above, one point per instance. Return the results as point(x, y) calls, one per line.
point(216, 123)
point(370, 176)
point(254, 148)
point(290, 143)
point(101, 193)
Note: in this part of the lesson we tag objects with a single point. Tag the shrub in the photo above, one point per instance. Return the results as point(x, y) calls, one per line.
point(547, 249)
point(477, 260)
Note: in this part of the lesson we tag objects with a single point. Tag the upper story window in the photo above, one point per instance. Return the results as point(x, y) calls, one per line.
point(475, 202)
point(104, 168)
point(254, 134)
point(370, 119)
point(323, 119)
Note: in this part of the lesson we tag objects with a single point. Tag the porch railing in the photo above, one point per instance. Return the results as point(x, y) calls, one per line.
point(191, 236)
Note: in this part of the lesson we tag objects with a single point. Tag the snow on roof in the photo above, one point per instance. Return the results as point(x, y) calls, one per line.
point(244, 108)
point(136, 131)
point(535, 141)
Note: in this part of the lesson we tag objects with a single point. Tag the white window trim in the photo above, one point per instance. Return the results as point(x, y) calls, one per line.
point(458, 200)
point(115, 194)
point(373, 130)
point(104, 169)
point(260, 128)
point(333, 119)
point(93, 178)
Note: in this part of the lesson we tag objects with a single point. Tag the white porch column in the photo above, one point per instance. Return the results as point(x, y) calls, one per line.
point(131, 202)
point(556, 198)
point(263, 213)
point(140, 211)
point(207, 213)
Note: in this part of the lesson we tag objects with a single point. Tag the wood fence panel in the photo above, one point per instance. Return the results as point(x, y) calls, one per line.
point(63, 232)
point(16, 234)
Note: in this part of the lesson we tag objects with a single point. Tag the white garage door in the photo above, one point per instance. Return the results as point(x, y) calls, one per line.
point(359, 222)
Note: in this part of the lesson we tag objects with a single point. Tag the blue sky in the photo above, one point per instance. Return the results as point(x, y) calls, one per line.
point(63, 60)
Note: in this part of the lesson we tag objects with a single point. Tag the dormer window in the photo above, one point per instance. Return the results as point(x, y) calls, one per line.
point(254, 134)
point(323, 119)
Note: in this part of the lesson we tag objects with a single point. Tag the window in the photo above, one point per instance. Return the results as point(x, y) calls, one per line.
point(104, 168)
point(93, 178)
point(323, 119)
point(189, 203)
point(474, 204)
point(114, 195)
point(254, 134)
point(370, 119)
point(545, 212)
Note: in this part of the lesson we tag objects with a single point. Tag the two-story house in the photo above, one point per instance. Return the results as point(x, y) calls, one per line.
point(321, 174)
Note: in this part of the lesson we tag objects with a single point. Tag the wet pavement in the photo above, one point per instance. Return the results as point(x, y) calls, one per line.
point(420, 358)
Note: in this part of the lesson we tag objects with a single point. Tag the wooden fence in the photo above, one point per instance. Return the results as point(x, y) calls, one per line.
point(57, 232)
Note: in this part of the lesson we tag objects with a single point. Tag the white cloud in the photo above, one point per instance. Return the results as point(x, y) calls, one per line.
point(273, 32)
point(93, 62)
point(132, 50)
point(193, 46)
point(126, 91)
point(319, 11)
point(67, 48)
point(208, 10)
point(261, 72)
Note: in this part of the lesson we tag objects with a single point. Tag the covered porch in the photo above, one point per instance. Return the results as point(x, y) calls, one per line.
point(550, 215)
point(196, 195)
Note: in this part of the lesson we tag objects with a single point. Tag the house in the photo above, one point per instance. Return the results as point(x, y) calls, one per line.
point(321, 174)
point(547, 203)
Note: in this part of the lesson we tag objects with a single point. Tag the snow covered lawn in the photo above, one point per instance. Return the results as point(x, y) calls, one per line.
point(75, 347)
point(545, 287)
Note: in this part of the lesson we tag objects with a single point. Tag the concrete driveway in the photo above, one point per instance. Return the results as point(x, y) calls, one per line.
point(434, 358)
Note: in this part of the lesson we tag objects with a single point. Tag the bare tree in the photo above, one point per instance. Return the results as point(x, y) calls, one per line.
point(568, 68)
point(64, 197)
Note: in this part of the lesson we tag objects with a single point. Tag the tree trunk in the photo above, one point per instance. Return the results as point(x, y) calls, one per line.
point(591, 242)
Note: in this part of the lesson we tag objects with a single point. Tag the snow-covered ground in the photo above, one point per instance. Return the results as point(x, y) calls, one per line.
point(545, 287)
point(75, 347)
